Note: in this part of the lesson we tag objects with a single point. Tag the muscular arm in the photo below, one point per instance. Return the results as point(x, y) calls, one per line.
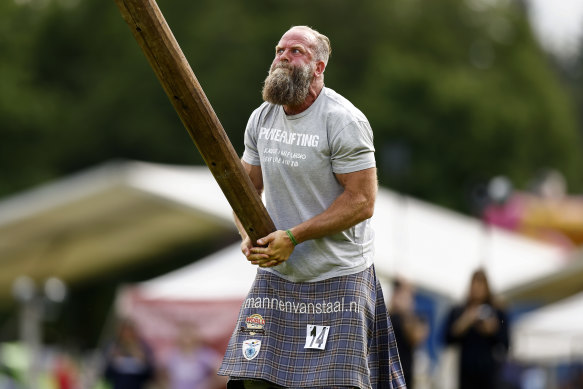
point(355, 204)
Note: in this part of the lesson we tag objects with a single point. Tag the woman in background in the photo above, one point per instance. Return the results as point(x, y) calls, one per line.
point(480, 328)
point(129, 360)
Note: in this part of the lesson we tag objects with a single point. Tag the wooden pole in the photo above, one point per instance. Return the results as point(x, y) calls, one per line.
point(178, 80)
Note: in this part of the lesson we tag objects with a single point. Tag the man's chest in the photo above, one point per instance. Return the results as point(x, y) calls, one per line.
point(294, 146)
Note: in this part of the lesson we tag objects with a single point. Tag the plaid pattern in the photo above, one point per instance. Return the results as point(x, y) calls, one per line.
point(361, 350)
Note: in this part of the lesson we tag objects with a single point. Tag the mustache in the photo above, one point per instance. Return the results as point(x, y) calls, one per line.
point(283, 65)
point(287, 87)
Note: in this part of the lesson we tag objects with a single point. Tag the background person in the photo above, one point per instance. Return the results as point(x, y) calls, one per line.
point(480, 328)
point(191, 364)
point(410, 329)
point(128, 360)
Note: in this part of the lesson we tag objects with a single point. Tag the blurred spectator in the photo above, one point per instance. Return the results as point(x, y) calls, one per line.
point(410, 329)
point(192, 364)
point(480, 328)
point(128, 360)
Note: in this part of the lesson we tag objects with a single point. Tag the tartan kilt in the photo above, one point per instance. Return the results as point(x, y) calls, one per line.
point(277, 321)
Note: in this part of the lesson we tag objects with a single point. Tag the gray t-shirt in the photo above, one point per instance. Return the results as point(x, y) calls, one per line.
point(299, 155)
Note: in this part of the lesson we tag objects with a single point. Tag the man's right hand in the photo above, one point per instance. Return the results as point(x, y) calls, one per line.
point(272, 249)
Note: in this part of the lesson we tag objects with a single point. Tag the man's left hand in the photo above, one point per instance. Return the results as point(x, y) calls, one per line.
point(277, 247)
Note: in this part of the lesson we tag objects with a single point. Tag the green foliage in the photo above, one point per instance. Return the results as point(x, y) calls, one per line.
point(467, 95)
point(456, 91)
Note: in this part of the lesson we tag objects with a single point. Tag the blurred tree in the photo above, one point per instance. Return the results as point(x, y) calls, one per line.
point(457, 91)
point(570, 68)
point(22, 115)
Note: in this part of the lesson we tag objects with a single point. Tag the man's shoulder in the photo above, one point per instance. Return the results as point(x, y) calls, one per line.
point(264, 109)
point(339, 105)
point(260, 115)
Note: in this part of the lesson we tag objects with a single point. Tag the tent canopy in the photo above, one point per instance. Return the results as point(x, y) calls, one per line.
point(551, 333)
point(438, 249)
point(548, 288)
point(224, 275)
point(107, 218)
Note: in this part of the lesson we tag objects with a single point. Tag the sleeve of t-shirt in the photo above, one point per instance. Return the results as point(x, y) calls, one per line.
point(251, 155)
point(352, 149)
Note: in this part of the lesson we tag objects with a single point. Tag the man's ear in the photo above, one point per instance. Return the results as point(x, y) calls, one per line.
point(320, 67)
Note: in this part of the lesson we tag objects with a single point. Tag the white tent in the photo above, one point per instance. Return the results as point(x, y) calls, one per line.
point(108, 218)
point(221, 276)
point(438, 249)
point(552, 333)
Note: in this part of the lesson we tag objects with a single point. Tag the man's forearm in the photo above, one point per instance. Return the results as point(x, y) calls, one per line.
point(346, 211)
point(355, 204)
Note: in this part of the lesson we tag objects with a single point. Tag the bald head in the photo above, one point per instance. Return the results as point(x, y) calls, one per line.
point(320, 44)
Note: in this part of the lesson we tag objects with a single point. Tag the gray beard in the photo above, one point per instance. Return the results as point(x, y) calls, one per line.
point(283, 87)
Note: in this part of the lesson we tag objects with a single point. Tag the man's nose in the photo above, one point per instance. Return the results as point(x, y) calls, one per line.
point(284, 56)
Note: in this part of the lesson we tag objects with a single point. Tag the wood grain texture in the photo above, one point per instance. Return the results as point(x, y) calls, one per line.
point(178, 80)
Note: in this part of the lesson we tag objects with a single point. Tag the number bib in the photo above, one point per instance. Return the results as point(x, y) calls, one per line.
point(316, 336)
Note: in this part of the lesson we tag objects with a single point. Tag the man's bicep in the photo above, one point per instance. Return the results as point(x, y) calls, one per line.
point(255, 174)
point(363, 182)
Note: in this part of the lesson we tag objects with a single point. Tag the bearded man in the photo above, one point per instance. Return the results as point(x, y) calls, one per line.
point(315, 315)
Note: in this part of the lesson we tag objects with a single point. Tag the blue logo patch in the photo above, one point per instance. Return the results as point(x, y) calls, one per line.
point(251, 348)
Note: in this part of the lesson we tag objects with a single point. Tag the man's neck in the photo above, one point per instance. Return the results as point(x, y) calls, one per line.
point(312, 96)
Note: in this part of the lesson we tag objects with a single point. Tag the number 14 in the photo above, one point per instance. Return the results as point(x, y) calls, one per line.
point(316, 336)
